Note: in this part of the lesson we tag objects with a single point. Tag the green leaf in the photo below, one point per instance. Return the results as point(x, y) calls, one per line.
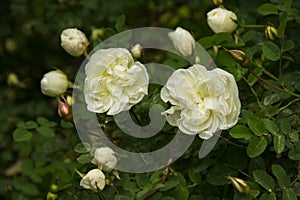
point(141, 180)
point(268, 196)
point(281, 176)
point(271, 126)
point(273, 98)
point(283, 22)
point(294, 153)
point(252, 79)
point(82, 148)
point(181, 193)
point(279, 143)
point(167, 198)
point(66, 124)
point(256, 125)
point(196, 197)
point(27, 125)
point(217, 175)
point(241, 131)
point(120, 23)
point(194, 177)
point(289, 194)
point(285, 126)
point(21, 135)
point(271, 51)
point(287, 45)
point(264, 179)
point(267, 9)
point(256, 146)
point(45, 131)
point(169, 185)
point(45, 122)
point(84, 158)
point(218, 38)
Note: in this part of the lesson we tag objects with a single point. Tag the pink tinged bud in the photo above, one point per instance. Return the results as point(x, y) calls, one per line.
point(64, 111)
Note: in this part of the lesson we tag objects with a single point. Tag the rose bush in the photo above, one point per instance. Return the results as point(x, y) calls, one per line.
point(203, 102)
point(114, 82)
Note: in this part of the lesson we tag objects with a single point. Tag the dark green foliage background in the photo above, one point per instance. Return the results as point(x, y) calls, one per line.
point(38, 149)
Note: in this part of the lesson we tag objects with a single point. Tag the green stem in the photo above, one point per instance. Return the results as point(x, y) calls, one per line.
point(270, 75)
point(254, 93)
point(290, 103)
point(252, 26)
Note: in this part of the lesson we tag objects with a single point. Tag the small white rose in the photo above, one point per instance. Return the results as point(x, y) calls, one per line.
point(202, 101)
point(105, 156)
point(222, 20)
point(73, 41)
point(54, 83)
point(93, 179)
point(114, 82)
point(183, 41)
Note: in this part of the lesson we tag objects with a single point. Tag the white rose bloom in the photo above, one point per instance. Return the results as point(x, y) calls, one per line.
point(114, 82)
point(54, 83)
point(222, 20)
point(93, 179)
point(202, 101)
point(183, 41)
point(73, 41)
point(105, 156)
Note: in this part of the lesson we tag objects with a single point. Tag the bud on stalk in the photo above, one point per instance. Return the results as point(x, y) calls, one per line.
point(240, 57)
point(240, 185)
point(217, 2)
point(64, 110)
point(271, 33)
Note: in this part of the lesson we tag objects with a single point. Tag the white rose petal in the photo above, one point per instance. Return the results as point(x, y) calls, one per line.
point(73, 41)
point(114, 82)
point(222, 20)
point(105, 156)
point(54, 83)
point(183, 41)
point(93, 179)
point(202, 101)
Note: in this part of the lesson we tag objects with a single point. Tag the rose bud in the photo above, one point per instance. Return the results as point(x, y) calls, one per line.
point(51, 196)
point(271, 33)
point(106, 158)
point(54, 83)
point(217, 2)
point(240, 185)
point(93, 180)
point(183, 41)
point(73, 41)
point(137, 51)
point(222, 20)
point(240, 57)
point(12, 79)
point(64, 111)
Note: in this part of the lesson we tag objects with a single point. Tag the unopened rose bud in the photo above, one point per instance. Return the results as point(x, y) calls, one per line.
point(137, 51)
point(183, 41)
point(271, 33)
point(53, 188)
point(70, 100)
point(240, 57)
point(73, 41)
point(51, 196)
point(222, 20)
point(96, 33)
point(54, 83)
point(64, 111)
point(106, 158)
point(94, 180)
point(217, 2)
point(240, 185)
point(12, 79)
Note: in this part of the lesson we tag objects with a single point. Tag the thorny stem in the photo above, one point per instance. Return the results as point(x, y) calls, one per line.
point(274, 86)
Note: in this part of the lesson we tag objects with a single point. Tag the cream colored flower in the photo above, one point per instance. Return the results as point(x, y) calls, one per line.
point(114, 82)
point(202, 101)
point(222, 20)
point(105, 156)
point(73, 41)
point(54, 83)
point(183, 41)
point(137, 51)
point(93, 179)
